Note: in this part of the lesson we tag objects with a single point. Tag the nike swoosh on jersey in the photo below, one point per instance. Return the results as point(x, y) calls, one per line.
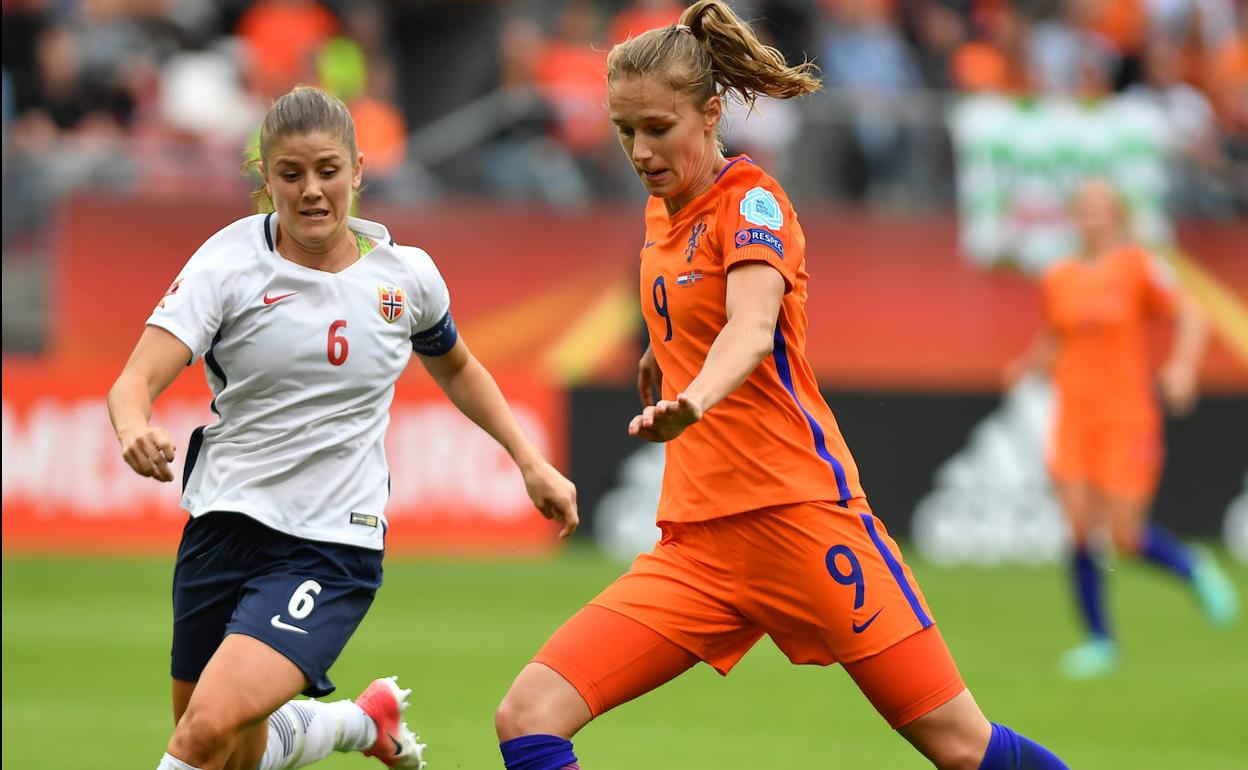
point(859, 629)
point(276, 622)
point(649, 244)
point(270, 300)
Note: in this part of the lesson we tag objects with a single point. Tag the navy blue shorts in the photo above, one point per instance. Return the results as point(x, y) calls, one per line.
point(303, 598)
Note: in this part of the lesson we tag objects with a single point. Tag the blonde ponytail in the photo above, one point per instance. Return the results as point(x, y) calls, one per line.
point(712, 51)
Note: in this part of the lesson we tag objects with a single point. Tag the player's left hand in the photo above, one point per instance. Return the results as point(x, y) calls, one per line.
point(665, 420)
point(1178, 388)
point(553, 495)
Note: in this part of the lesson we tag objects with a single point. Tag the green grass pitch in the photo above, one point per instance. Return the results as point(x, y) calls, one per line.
point(86, 645)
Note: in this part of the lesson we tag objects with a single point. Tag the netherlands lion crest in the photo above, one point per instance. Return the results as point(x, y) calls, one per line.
point(390, 302)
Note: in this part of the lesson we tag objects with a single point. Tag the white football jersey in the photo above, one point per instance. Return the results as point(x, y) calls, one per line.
point(302, 365)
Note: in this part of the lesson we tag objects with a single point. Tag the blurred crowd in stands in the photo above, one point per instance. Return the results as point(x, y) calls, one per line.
point(457, 98)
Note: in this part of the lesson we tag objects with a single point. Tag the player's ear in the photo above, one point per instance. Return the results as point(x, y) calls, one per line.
point(264, 177)
point(712, 111)
point(357, 173)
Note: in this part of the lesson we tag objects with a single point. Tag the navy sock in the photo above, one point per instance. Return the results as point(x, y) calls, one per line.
point(1010, 751)
point(538, 752)
point(1088, 588)
point(1160, 547)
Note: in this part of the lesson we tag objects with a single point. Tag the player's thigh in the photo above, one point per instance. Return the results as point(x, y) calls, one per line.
point(826, 582)
point(685, 591)
point(246, 679)
point(1078, 502)
point(1126, 517)
point(610, 659)
point(244, 682)
point(182, 690)
point(307, 604)
point(910, 679)
point(954, 734)
point(251, 743)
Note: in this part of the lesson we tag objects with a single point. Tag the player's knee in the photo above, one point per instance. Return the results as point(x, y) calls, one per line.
point(201, 735)
point(953, 736)
point(1126, 537)
point(530, 711)
point(518, 714)
point(953, 751)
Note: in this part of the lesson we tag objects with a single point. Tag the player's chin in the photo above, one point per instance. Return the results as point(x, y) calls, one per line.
point(318, 235)
point(658, 187)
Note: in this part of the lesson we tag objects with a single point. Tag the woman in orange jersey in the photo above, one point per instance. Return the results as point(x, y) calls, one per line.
point(766, 529)
point(1107, 445)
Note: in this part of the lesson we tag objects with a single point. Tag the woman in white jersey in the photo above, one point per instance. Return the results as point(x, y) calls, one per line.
point(305, 318)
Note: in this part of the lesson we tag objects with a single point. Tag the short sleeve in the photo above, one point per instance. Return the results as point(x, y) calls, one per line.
point(1050, 288)
point(193, 308)
point(429, 307)
point(758, 225)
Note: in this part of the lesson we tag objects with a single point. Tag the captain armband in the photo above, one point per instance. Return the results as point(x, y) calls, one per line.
point(438, 339)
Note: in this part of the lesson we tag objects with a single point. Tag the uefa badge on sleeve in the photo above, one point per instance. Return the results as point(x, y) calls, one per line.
point(390, 302)
point(760, 207)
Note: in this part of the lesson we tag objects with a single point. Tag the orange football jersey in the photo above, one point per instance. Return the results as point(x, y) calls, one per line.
point(1100, 310)
point(773, 441)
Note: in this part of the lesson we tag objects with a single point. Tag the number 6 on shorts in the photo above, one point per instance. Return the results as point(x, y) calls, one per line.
point(302, 601)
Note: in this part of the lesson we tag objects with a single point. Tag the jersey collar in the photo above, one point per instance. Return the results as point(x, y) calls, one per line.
point(691, 205)
point(366, 227)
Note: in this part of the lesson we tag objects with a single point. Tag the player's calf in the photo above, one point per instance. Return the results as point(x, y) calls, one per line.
point(1010, 751)
point(303, 732)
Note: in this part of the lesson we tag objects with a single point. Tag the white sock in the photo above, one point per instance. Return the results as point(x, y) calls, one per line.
point(305, 731)
point(169, 763)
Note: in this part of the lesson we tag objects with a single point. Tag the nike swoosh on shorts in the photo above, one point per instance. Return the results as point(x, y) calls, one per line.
point(859, 629)
point(276, 622)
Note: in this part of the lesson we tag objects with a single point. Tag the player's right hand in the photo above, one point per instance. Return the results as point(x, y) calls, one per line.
point(148, 452)
point(552, 494)
point(649, 378)
point(665, 420)
point(1015, 372)
point(1179, 388)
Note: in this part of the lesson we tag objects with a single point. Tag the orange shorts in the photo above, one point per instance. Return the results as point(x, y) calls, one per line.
point(1122, 460)
point(826, 583)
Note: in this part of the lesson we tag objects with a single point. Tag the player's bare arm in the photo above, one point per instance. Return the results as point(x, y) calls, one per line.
point(1039, 356)
point(754, 294)
point(1179, 375)
point(649, 378)
point(155, 362)
point(472, 389)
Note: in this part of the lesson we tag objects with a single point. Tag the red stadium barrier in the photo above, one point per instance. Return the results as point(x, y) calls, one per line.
point(893, 305)
point(66, 488)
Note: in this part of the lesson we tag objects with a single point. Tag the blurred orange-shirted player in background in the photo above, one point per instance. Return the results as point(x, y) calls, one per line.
point(1106, 451)
point(765, 527)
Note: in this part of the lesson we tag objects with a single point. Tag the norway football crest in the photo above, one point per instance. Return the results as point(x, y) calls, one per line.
point(390, 302)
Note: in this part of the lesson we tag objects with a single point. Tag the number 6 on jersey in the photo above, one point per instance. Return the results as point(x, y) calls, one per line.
point(337, 347)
